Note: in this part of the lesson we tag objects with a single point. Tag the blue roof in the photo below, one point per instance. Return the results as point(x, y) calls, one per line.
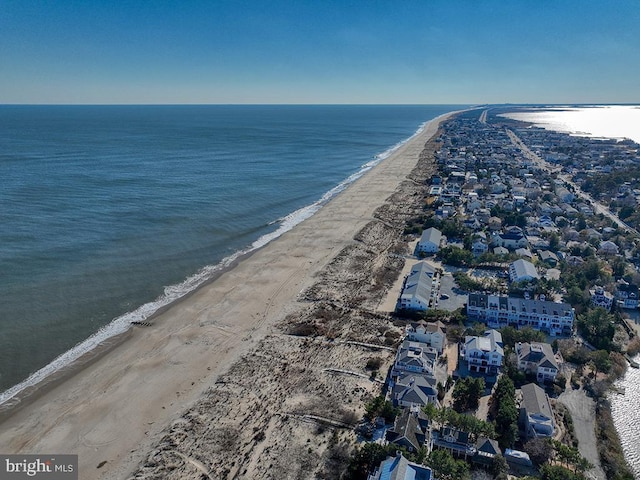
point(399, 468)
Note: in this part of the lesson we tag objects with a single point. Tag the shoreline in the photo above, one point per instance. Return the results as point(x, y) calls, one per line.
point(150, 379)
point(119, 329)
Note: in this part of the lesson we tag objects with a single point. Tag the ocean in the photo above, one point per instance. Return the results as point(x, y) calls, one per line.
point(108, 213)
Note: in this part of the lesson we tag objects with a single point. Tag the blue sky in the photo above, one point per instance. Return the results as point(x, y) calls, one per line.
point(322, 51)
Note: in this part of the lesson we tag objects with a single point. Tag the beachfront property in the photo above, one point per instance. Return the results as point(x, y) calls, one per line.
point(420, 289)
point(432, 334)
point(414, 357)
point(499, 311)
point(538, 359)
point(483, 354)
point(412, 390)
point(410, 430)
point(430, 241)
point(399, 468)
point(522, 270)
point(536, 414)
point(601, 298)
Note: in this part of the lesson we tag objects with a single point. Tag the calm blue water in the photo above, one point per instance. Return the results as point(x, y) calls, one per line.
point(104, 207)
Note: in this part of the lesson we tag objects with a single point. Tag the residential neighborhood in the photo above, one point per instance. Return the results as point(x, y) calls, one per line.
point(544, 284)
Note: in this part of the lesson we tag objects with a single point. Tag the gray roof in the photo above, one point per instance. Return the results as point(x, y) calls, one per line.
point(487, 445)
point(407, 429)
point(417, 354)
point(522, 268)
point(539, 353)
point(415, 389)
point(535, 401)
point(432, 235)
point(515, 304)
point(419, 283)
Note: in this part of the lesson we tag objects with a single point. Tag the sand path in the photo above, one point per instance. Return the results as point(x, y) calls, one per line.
point(115, 409)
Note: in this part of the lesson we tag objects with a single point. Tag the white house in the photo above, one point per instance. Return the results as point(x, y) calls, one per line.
point(431, 334)
point(512, 239)
point(430, 241)
point(536, 415)
point(419, 290)
point(537, 358)
point(522, 270)
point(601, 298)
point(627, 295)
point(484, 354)
point(414, 357)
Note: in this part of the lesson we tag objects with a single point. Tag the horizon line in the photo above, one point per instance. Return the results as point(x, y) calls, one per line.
point(469, 105)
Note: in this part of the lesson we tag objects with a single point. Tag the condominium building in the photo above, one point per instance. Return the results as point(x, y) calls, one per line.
point(501, 311)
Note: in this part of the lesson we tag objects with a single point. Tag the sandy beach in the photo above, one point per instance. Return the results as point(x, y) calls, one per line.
point(235, 381)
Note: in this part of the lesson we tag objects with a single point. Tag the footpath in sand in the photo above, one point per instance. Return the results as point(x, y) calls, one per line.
point(233, 381)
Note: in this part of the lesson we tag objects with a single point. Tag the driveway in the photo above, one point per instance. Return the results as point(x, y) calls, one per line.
point(583, 411)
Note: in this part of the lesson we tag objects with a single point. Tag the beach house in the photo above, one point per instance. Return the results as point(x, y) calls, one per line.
point(410, 430)
point(522, 270)
point(420, 288)
point(399, 468)
point(411, 390)
point(431, 334)
point(483, 354)
point(414, 357)
point(601, 298)
point(430, 241)
point(627, 295)
point(536, 415)
point(537, 359)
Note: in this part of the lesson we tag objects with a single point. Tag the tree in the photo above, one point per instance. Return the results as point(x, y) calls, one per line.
point(499, 467)
point(506, 412)
point(600, 361)
point(445, 467)
point(467, 393)
point(539, 450)
point(619, 267)
point(511, 336)
point(455, 256)
point(597, 327)
point(556, 472)
point(379, 407)
point(367, 458)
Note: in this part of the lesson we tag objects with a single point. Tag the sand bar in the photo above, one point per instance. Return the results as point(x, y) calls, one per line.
point(115, 409)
